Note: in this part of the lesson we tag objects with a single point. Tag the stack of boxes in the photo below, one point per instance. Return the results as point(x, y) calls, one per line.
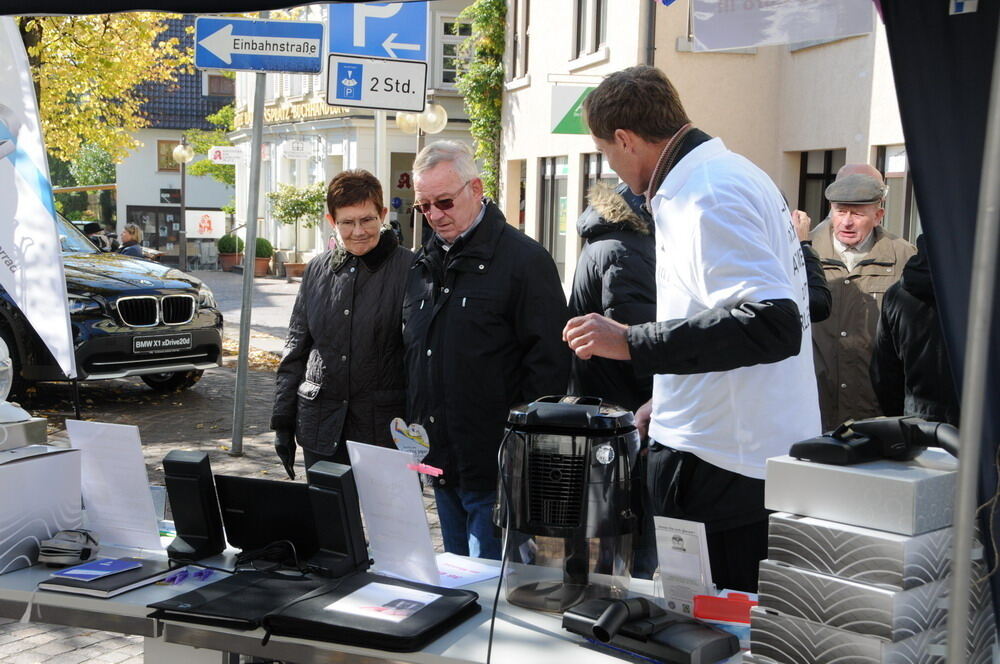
point(858, 558)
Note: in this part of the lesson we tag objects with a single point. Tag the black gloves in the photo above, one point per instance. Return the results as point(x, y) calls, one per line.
point(284, 445)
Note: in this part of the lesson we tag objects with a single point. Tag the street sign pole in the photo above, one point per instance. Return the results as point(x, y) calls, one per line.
point(243, 363)
point(382, 154)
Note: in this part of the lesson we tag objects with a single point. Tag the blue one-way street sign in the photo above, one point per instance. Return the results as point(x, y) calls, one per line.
point(252, 45)
point(380, 29)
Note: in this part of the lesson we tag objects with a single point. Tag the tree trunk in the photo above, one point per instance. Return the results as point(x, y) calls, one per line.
point(32, 37)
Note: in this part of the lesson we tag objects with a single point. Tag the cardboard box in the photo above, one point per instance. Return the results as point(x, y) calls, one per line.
point(888, 613)
point(39, 496)
point(788, 640)
point(907, 498)
point(860, 554)
point(29, 432)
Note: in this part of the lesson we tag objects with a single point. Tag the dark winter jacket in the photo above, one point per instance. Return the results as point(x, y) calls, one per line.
point(131, 248)
point(483, 332)
point(615, 277)
point(910, 370)
point(341, 376)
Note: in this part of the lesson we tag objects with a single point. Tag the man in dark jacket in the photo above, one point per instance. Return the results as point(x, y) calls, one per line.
point(615, 277)
point(910, 370)
point(482, 317)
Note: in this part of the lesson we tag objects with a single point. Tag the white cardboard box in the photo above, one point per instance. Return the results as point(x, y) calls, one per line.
point(30, 432)
point(860, 554)
point(889, 614)
point(788, 640)
point(39, 496)
point(908, 498)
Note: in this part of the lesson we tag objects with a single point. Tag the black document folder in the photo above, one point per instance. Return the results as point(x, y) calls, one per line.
point(373, 611)
point(239, 601)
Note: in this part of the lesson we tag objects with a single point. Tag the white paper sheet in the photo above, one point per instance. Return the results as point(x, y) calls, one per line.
point(116, 497)
point(457, 571)
point(682, 549)
point(390, 498)
point(383, 602)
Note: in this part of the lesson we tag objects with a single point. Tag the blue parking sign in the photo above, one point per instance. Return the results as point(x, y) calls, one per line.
point(349, 78)
point(379, 29)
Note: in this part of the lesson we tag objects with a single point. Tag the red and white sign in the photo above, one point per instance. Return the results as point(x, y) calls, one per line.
point(205, 224)
point(225, 154)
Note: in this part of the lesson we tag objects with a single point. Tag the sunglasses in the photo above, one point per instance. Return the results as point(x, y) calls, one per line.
point(443, 204)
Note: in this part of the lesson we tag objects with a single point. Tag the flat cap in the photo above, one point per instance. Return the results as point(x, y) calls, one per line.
point(856, 189)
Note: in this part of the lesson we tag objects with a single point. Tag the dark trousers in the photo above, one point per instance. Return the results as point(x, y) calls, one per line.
point(682, 486)
point(339, 456)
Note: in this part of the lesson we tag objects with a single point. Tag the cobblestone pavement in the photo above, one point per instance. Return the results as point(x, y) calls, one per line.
point(197, 419)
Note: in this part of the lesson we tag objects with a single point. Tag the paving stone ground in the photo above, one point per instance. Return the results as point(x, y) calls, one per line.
point(198, 419)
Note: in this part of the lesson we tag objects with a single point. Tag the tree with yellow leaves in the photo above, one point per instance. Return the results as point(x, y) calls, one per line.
point(87, 70)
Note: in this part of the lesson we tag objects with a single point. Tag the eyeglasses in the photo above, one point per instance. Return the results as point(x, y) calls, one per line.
point(366, 223)
point(443, 204)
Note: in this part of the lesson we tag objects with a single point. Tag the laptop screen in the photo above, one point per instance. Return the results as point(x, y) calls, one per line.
point(257, 512)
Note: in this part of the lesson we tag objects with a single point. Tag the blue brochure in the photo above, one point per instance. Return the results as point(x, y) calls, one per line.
point(97, 569)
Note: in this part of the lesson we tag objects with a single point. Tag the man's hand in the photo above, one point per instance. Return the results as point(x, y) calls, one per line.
point(594, 334)
point(284, 445)
point(800, 220)
point(642, 418)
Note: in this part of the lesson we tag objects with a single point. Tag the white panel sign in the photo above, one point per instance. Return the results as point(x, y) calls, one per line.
point(205, 224)
point(719, 25)
point(362, 82)
point(297, 149)
point(226, 154)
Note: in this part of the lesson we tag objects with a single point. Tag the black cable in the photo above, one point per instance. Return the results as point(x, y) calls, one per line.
point(506, 534)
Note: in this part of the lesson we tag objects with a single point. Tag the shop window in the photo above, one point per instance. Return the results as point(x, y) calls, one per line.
point(591, 26)
point(901, 215)
point(817, 169)
point(165, 156)
point(552, 208)
point(596, 169)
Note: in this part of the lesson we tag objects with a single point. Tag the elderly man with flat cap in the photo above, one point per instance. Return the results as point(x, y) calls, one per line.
point(861, 260)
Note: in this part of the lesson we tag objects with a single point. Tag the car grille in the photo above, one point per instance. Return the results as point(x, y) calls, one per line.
point(147, 310)
point(140, 311)
point(177, 309)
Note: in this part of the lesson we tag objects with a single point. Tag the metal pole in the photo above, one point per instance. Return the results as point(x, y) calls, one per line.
point(382, 153)
point(242, 365)
point(182, 257)
point(418, 219)
point(976, 370)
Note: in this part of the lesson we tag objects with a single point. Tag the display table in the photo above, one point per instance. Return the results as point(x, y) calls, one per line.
point(521, 636)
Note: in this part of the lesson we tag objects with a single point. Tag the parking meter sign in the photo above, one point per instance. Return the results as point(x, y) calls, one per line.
point(378, 83)
point(349, 77)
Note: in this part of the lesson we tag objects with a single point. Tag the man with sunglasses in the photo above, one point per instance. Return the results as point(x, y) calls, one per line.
point(482, 319)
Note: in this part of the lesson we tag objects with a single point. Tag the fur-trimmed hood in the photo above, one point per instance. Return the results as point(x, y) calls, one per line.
point(613, 209)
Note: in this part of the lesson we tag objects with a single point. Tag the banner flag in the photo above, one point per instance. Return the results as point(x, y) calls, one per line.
point(719, 25)
point(31, 268)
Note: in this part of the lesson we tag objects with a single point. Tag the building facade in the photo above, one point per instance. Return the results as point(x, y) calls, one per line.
point(798, 111)
point(149, 180)
point(306, 140)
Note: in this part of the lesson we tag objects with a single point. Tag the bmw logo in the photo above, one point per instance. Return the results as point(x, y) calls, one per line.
point(145, 282)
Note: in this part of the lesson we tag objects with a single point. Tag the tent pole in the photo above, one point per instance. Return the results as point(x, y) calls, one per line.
point(975, 375)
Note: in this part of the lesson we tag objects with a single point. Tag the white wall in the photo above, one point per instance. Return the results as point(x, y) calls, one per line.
point(139, 182)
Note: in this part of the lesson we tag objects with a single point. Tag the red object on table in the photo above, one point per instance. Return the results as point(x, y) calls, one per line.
point(734, 607)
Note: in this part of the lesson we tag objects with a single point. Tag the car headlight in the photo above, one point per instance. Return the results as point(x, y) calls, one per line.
point(205, 298)
point(79, 304)
point(6, 371)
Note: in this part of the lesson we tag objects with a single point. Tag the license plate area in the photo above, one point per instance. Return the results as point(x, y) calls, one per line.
point(161, 343)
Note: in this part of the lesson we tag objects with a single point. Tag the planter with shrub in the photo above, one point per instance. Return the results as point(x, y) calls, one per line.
point(262, 262)
point(230, 251)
